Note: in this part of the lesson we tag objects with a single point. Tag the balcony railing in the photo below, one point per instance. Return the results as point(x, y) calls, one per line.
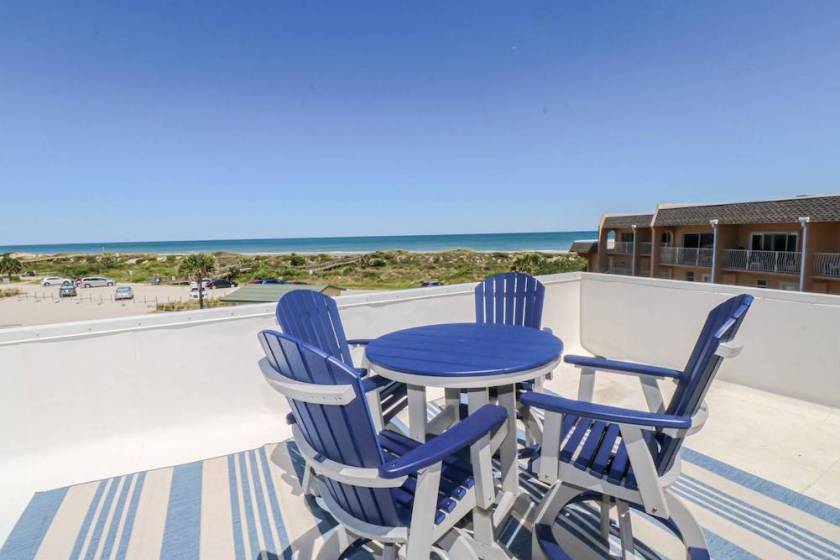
point(827, 264)
point(785, 262)
point(621, 247)
point(687, 256)
point(644, 247)
point(623, 270)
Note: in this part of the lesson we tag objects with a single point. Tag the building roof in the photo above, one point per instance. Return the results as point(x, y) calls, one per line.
point(627, 220)
point(584, 247)
point(263, 293)
point(817, 208)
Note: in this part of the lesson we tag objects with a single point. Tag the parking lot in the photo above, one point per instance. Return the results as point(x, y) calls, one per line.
point(39, 305)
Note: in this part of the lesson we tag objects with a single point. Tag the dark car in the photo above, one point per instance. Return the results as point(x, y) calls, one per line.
point(67, 289)
point(430, 283)
point(220, 283)
point(266, 281)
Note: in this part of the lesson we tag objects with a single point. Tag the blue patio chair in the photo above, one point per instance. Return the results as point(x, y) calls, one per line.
point(379, 484)
point(313, 317)
point(513, 298)
point(510, 298)
point(629, 458)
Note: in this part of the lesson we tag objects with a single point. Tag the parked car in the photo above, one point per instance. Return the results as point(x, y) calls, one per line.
point(96, 282)
point(204, 283)
point(28, 274)
point(123, 292)
point(53, 281)
point(220, 283)
point(430, 283)
point(266, 281)
point(67, 289)
point(194, 292)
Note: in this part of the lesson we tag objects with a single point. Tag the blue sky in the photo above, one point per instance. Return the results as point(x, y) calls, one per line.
point(176, 120)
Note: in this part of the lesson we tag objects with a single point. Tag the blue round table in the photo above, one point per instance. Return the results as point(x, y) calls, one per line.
point(468, 357)
point(464, 355)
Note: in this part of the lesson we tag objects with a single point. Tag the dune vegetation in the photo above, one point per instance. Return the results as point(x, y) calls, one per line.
point(379, 270)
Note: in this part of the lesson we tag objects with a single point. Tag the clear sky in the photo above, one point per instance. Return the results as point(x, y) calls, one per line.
point(176, 120)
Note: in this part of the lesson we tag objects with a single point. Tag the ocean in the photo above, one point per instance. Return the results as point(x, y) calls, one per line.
point(543, 241)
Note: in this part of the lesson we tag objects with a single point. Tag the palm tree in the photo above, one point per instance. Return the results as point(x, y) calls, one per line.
point(10, 265)
point(198, 266)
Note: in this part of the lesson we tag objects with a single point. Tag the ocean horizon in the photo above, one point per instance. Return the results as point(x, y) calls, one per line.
point(535, 241)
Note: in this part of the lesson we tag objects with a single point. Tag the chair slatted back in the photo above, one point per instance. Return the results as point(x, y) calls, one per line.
point(510, 298)
point(341, 433)
point(721, 325)
point(313, 318)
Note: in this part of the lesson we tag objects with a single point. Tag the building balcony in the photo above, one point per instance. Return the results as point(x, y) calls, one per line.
point(827, 265)
point(621, 247)
point(622, 270)
point(645, 248)
point(781, 262)
point(190, 454)
point(685, 256)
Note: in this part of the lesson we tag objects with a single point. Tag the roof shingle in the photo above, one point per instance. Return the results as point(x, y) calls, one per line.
point(628, 220)
point(818, 208)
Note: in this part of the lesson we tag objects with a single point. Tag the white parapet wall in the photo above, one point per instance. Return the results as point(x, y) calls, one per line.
point(791, 339)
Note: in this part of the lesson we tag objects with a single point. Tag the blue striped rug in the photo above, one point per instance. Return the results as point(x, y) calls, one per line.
point(250, 505)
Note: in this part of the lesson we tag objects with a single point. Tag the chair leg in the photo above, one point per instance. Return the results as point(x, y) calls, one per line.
point(310, 488)
point(389, 552)
point(333, 543)
point(689, 529)
point(605, 518)
point(554, 501)
point(625, 529)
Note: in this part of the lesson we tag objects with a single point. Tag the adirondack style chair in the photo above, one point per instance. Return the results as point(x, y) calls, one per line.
point(379, 484)
point(627, 458)
point(313, 317)
point(512, 298)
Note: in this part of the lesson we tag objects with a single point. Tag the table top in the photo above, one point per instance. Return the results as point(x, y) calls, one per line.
point(464, 350)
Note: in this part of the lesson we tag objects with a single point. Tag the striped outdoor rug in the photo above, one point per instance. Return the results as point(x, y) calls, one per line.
point(249, 505)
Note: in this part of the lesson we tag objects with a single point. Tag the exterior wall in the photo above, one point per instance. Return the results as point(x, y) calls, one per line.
point(791, 340)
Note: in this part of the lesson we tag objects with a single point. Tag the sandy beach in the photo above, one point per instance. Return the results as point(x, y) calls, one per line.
point(39, 305)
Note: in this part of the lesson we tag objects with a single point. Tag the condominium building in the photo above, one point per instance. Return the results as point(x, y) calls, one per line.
point(791, 244)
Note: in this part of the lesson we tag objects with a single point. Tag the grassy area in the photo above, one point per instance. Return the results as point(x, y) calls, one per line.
point(190, 305)
point(380, 270)
point(10, 292)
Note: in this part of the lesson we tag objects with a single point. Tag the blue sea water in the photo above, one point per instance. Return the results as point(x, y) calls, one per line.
point(544, 241)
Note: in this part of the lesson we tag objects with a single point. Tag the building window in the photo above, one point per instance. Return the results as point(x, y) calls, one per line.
point(698, 240)
point(761, 283)
point(666, 239)
point(689, 276)
point(707, 278)
point(773, 241)
point(789, 286)
point(627, 237)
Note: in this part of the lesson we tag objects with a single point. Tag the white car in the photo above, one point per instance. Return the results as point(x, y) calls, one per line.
point(96, 282)
point(54, 281)
point(194, 292)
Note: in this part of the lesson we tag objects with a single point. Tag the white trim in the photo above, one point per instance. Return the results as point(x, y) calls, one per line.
point(464, 382)
point(357, 476)
point(306, 392)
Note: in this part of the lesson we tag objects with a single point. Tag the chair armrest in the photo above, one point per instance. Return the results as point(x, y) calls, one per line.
point(359, 341)
point(622, 367)
point(612, 414)
point(374, 383)
point(463, 434)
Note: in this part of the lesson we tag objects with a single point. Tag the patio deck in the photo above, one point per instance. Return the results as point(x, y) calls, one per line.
point(762, 477)
point(250, 505)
